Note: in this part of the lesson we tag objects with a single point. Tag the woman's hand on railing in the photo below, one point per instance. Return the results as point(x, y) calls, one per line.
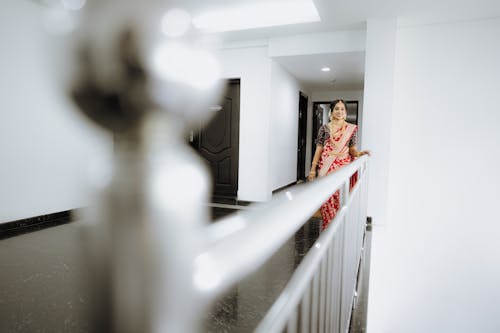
point(312, 175)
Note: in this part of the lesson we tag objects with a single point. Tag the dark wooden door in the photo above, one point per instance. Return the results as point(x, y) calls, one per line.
point(301, 141)
point(218, 142)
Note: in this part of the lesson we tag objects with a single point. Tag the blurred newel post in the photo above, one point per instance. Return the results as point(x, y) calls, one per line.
point(136, 69)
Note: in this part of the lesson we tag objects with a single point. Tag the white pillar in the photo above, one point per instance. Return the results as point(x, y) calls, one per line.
point(377, 112)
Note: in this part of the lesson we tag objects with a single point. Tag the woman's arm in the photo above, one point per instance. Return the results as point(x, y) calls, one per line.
point(317, 154)
point(354, 152)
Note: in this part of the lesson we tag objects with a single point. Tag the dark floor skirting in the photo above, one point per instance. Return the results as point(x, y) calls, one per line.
point(22, 226)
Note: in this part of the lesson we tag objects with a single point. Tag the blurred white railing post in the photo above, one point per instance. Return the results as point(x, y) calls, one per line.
point(127, 68)
point(146, 236)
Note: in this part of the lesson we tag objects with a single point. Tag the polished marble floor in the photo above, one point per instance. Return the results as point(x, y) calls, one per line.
point(241, 309)
point(38, 282)
point(38, 277)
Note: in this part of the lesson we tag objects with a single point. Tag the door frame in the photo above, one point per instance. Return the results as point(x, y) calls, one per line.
point(302, 136)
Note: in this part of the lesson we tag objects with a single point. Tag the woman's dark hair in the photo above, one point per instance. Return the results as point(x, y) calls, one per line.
point(335, 102)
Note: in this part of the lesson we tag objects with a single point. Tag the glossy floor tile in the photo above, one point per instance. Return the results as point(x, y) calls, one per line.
point(38, 282)
point(241, 309)
point(39, 292)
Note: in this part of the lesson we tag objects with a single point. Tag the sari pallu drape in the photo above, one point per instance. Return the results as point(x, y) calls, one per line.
point(335, 155)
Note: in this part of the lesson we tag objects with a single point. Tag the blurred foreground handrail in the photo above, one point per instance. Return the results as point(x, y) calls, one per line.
point(241, 243)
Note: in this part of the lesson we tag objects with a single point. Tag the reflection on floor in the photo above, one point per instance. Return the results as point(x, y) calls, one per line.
point(38, 282)
point(38, 290)
point(241, 309)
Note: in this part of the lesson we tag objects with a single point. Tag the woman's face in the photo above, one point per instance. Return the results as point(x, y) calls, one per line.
point(339, 111)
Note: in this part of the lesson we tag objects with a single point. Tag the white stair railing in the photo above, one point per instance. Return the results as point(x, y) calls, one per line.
point(320, 294)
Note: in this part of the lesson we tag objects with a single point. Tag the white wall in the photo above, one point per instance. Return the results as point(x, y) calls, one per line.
point(253, 67)
point(268, 120)
point(435, 265)
point(45, 146)
point(284, 113)
point(315, 43)
point(330, 95)
point(376, 123)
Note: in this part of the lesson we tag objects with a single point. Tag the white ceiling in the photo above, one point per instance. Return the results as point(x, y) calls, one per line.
point(348, 68)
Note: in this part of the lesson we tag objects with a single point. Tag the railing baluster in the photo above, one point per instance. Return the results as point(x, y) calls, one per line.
point(315, 303)
point(337, 283)
point(329, 284)
point(322, 290)
point(333, 309)
point(305, 310)
point(291, 326)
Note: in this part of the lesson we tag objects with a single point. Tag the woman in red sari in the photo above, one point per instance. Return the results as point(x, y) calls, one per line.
point(335, 147)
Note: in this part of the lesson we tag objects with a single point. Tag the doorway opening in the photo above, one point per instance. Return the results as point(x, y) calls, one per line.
point(301, 137)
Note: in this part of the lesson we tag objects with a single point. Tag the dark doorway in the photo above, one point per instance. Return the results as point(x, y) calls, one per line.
point(301, 141)
point(320, 117)
point(218, 142)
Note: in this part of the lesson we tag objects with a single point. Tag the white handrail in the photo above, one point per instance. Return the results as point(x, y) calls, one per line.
point(240, 244)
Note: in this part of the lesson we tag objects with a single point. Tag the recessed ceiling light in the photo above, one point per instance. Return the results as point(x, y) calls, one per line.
point(257, 15)
point(325, 69)
point(176, 22)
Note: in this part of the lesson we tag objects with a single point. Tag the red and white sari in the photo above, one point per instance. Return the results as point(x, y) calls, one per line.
point(335, 155)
